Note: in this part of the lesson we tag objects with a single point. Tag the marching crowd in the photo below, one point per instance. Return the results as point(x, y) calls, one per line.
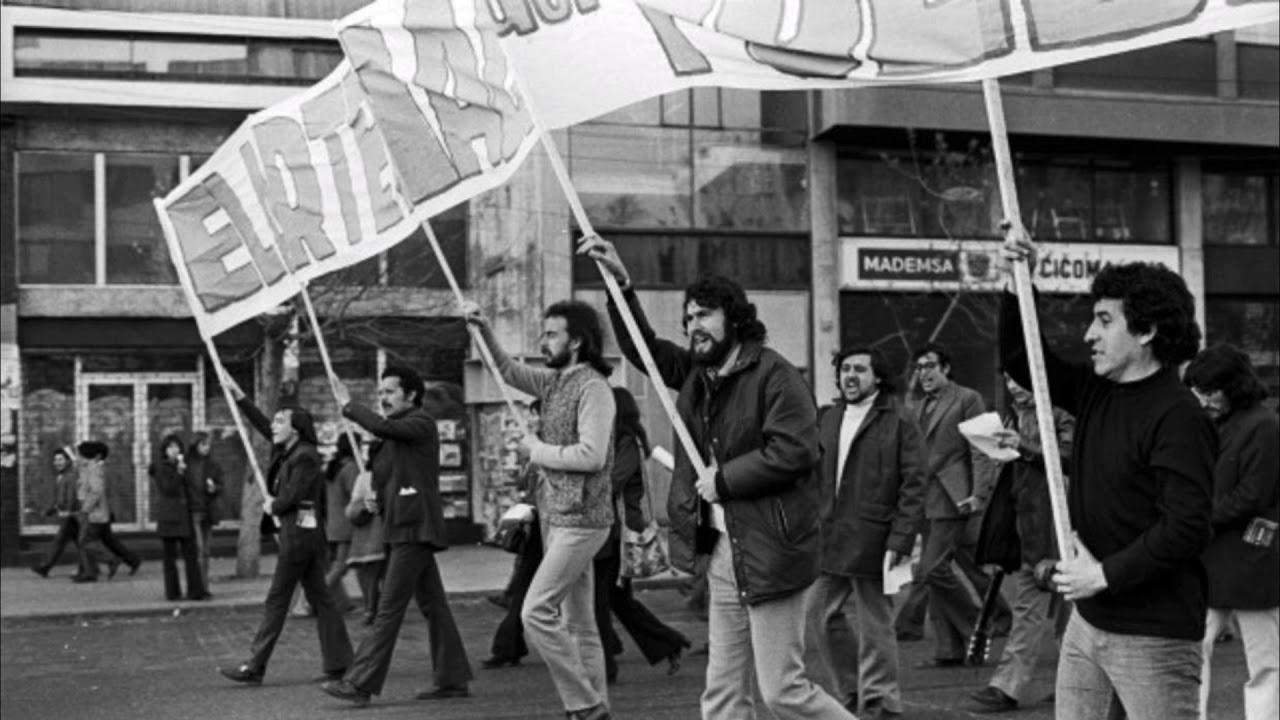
point(794, 515)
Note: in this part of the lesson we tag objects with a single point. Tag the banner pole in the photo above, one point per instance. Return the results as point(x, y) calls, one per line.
point(328, 364)
point(1030, 323)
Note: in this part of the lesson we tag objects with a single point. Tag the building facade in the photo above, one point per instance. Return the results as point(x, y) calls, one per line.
point(852, 217)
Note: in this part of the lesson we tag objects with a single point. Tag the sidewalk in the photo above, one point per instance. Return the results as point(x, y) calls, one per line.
point(469, 571)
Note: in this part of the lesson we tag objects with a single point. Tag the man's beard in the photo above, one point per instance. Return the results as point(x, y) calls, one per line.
point(558, 360)
point(859, 393)
point(713, 355)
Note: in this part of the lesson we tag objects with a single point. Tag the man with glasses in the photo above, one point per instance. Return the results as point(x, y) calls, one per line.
point(938, 405)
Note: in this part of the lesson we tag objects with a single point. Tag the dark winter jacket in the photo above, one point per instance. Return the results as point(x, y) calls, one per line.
point(759, 424)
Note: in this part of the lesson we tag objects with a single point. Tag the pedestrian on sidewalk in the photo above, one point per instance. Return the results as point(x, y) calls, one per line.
point(99, 529)
point(204, 477)
point(368, 553)
point(657, 641)
point(1017, 536)
point(872, 474)
point(1140, 496)
point(340, 481)
point(1243, 561)
point(754, 507)
point(405, 462)
point(574, 449)
point(295, 484)
point(65, 507)
point(174, 521)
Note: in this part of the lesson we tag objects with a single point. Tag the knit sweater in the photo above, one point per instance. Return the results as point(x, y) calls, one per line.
point(1140, 492)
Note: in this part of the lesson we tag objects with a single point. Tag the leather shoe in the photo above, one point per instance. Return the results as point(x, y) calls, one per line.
point(991, 700)
point(243, 674)
point(84, 578)
point(112, 566)
point(344, 690)
point(494, 663)
point(133, 569)
point(445, 693)
point(936, 663)
point(599, 712)
point(41, 571)
point(328, 676)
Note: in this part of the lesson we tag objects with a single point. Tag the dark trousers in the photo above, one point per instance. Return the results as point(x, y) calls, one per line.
point(412, 572)
point(604, 574)
point(117, 548)
point(302, 560)
point(92, 550)
point(369, 576)
point(508, 641)
point(68, 532)
point(657, 641)
point(173, 546)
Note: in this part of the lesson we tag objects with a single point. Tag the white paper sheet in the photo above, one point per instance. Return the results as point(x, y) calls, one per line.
point(981, 433)
point(896, 576)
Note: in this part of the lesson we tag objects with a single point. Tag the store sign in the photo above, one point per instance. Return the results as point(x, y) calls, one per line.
point(946, 265)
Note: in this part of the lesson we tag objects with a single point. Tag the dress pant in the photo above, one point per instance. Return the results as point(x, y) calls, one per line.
point(657, 640)
point(92, 549)
point(952, 606)
point(369, 576)
point(604, 571)
point(301, 560)
point(858, 658)
point(508, 640)
point(1035, 614)
point(203, 535)
point(186, 546)
point(68, 532)
point(1260, 635)
point(412, 572)
point(117, 548)
point(758, 646)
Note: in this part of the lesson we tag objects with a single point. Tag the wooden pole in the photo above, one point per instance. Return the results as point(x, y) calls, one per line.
point(1030, 323)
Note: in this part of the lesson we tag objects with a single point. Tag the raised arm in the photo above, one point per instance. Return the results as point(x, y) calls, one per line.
point(414, 427)
point(518, 375)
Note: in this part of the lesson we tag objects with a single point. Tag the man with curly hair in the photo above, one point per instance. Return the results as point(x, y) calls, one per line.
point(1139, 499)
point(754, 510)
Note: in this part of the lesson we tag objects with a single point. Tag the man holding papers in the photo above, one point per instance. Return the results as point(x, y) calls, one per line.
point(872, 480)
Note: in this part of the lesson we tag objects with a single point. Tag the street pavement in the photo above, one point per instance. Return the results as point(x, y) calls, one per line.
point(117, 650)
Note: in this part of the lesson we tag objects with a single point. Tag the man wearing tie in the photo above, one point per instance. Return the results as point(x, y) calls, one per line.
point(939, 405)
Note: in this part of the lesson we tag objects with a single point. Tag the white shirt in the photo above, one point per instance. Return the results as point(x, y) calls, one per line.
point(854, 414)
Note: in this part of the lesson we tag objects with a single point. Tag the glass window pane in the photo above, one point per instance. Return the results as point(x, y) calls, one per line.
point(706, 107)
point(136, 250)
point(675, 261)
point(56, 218)
point(961, 197)
point(1235, 209)
point(412, 262)
point(190, 58)
point(743, 184)
point(1253, 325)
point(740, 108)
point(632, 176)
point(677, 107)
point(42, 53)
point(48, 423)
point(1132, 206)
point(878, 196)
point(111, 421)
point(1056, 200)
point(1183, 68)
point(1259, 68)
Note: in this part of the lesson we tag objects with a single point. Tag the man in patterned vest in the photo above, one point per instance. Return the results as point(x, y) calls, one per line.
point(574, 503)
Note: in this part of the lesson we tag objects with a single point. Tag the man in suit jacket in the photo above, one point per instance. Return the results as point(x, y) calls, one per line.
point(951, 495)
point(405, 462)
point(872, 478)
point(296, 483)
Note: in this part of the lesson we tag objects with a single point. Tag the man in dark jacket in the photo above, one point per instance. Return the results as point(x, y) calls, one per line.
point(405, 462)
point(755, 510)
point(295, 482)
point(872, 480)
point(1244, 560)
point(1139, 499)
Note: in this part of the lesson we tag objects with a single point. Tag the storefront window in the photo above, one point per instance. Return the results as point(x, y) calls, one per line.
point(1238, 208)
point(48, 423)
point(742, 184)
point(879, 196)
point(633, 177)
point(136, 250)
point(660, 260)
point(56, 218)
point(1253, 325)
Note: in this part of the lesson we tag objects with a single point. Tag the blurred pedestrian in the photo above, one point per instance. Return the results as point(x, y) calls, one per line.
point(95, 512)
point(872, 474)
point(1139, 499)
point(1243, 561)
point(65, 508)
point(574, 449)
point(657, 641)
point(405, 462)
point(174, 520)
point(340, 482)
point(295, 487)
point(1017, 535)
point(368, 552)
point(204, 476)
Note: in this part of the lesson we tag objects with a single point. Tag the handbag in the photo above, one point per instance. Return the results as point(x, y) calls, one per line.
point(643, 553)
point(516, 527)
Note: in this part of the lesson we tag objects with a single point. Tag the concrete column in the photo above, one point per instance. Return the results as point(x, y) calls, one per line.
point(1227, 65)
point(825, 260)
point(1189, 201)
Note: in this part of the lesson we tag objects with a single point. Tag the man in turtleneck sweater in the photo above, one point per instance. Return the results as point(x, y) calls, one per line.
point(1139, 498)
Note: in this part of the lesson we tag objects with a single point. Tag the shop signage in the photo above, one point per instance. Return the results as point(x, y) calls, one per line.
point(942, 265)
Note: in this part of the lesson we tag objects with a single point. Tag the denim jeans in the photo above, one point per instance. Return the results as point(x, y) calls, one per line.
point(1151, 678)
point(1260, 634)
point(759, 645)
point(560, 619)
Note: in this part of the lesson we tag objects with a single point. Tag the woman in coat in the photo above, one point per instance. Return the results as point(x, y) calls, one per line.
point(173, 520)
point(367, 552)
point(1243, 561)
